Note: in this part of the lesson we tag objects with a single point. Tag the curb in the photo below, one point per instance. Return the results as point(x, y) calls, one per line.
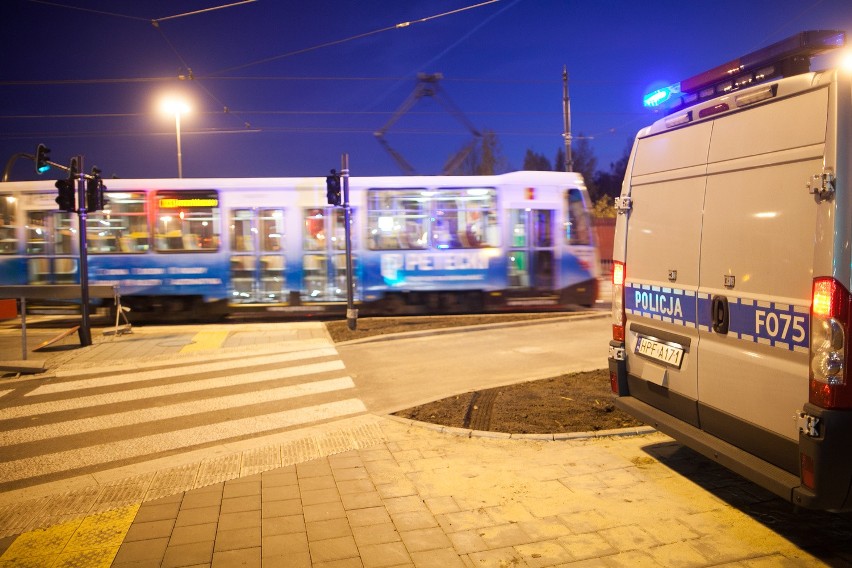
point(555, 437)
point(581, 316)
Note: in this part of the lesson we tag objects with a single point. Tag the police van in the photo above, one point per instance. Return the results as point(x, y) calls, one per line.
point(731, 308)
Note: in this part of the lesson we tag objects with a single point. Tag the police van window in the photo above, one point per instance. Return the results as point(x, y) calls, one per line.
point(577, 225)
point(122, 225)
point(8, 218)
point(397, 219)
point(187, 221)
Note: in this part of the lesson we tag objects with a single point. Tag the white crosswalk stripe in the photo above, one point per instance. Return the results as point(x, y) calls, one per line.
point(73, 459)
point(142, 415)
point(177, 371)
point(86, 423)
point(166, 390)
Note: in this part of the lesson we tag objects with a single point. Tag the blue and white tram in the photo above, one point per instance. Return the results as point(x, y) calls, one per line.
point(420, 244)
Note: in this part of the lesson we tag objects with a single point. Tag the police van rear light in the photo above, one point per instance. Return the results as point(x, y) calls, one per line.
point(785, 58)
point(829, 335)
point(618, 301)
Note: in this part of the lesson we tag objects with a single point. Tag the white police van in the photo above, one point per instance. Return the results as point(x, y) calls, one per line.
point(732, 271)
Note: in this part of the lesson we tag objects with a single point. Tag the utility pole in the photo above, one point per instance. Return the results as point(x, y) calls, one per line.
point(85, 331)
point(351, 312)
point(89, 198)
point(566, 114)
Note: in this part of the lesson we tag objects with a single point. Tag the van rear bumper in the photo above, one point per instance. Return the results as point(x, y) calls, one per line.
point(771, 477)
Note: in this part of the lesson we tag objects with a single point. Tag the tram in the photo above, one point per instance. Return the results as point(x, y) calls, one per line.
point(420, 244)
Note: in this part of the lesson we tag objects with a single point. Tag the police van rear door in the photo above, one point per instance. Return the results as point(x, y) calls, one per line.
point(667, 186)
point(756, 256)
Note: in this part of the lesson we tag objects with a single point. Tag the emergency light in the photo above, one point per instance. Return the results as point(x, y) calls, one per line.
point(785, 58)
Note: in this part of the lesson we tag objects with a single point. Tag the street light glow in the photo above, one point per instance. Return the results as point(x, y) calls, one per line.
point(174, 106)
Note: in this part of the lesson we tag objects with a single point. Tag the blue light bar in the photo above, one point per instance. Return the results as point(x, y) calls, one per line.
point(785, 58)
point(661, 96)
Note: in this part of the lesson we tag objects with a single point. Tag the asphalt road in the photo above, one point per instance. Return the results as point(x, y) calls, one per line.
point(399, 374)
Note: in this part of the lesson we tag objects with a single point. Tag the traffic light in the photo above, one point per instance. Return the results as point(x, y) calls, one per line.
point(95, 191)
point(65, 197)
point(332, 191)
point(42, 157)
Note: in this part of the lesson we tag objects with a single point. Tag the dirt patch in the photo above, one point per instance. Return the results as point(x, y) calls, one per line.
point(577, 402)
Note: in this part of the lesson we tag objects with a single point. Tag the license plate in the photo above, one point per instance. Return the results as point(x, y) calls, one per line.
point(668, 353)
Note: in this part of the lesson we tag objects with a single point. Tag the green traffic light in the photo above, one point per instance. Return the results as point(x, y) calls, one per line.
point(42, 159)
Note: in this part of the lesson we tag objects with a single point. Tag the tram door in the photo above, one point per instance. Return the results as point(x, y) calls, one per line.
point(324, 255)
point(258, 261)
point(531, 260)
point(52, 243)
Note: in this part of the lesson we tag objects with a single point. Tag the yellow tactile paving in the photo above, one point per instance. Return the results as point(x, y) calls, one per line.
point(205, 340)
point(88, 542)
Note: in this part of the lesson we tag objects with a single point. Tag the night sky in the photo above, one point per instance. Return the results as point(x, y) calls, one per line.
point(283, 88)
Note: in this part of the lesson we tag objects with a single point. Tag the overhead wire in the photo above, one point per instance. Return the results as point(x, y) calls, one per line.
point(193, 13)
point(89, 10)
point(140, 18)
point(327, 44)
point(216, 75)
point(355, 37)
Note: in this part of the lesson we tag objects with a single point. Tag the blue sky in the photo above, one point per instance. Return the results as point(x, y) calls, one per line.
point(283, 88)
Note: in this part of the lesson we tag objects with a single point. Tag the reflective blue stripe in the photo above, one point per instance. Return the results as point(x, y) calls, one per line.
point(667, 304)
point(779, 325)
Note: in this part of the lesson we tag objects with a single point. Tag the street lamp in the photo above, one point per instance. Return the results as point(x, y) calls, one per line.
point(176, 107)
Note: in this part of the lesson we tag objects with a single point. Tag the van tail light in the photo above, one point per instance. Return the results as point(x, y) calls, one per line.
point(829, 384)
point(618, 275)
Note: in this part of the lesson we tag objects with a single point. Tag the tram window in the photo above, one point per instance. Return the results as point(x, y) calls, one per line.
point(271, 230)
point(542, 228)
point(8, 218)
point(397, 219)
point(465, 218)
point(38, 232)
point(49, 232)
point(66, 233)
point(338, 230)
point(577, 224)
point(122, 226)
point(187, 221)
point(242, 239)
point(315, 229)
point(446, 218)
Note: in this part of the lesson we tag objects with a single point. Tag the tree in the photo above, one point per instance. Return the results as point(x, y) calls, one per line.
point(609, 183)
point(486, 158)
point(535, 162)
point(559, 161)
point(585, 163)
point(604, 208)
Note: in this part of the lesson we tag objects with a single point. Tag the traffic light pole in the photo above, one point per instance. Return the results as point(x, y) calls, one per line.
point(85, 330)
point(351, 312)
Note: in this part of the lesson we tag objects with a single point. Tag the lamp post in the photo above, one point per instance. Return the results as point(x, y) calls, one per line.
point(176, 107)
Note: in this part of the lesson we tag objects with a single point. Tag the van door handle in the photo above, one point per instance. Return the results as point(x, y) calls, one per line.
point(719, 314)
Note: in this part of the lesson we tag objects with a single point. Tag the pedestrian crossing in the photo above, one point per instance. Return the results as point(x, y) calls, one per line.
point(95, 420)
